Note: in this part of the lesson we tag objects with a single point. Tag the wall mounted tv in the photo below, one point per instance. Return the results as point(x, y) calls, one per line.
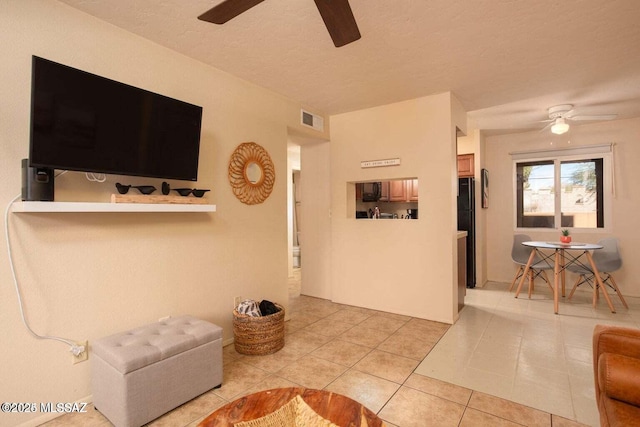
point(84, 122)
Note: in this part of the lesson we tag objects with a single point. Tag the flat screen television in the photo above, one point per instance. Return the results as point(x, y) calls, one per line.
point(84, 122)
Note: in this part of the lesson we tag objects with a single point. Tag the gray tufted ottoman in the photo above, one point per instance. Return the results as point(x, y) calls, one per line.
point(143, 373)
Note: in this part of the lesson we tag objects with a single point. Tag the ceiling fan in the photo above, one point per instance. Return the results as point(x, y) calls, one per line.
point(560, 114)
point(336, 14)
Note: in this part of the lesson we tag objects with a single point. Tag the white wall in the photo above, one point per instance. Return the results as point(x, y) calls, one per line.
point(406, 267)
point(315, 236)
point(625, 202)
point(84, 276)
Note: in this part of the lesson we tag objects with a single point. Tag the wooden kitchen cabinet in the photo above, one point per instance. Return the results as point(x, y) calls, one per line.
point(398, 191)
point(403, 190)
point(384, 191)
point(466, 165)
point(412, 190)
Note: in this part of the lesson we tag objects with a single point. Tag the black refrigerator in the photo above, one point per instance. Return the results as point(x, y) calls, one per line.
point(467, 222)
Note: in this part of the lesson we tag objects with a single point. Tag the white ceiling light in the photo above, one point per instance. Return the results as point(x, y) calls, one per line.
point(560, 126)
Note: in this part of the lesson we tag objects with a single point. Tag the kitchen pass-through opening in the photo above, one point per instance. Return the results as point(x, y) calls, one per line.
point(388, 199)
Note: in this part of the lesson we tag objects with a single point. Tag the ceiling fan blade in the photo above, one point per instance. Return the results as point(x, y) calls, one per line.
point(227, 10)
point(339, 20)
point(594, 117)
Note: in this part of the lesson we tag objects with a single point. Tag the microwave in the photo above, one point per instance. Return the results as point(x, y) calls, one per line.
point(371, 191)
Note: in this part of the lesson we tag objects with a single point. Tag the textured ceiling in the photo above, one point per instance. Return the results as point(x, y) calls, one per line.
point(507, 61)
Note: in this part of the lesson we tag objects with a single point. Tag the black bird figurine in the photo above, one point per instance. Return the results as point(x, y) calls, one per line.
point(166, 188)
point(122, 189)
point(145, 189)
point(186, 191)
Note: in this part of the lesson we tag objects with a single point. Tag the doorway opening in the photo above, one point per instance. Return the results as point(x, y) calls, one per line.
point(294, 223)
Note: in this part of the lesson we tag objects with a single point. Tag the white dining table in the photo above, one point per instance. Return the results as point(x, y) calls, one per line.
point(563, 255)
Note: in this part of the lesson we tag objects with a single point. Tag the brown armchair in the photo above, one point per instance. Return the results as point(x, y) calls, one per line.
point(616, 366)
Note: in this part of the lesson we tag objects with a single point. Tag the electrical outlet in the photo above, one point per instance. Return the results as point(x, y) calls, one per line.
point(236, 301)
point(82, 356)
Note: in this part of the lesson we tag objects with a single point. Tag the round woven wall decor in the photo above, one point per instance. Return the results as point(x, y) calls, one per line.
point(251, 173)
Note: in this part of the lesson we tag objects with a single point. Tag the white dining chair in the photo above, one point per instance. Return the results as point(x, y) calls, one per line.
point(520, 255)
point(607, 260)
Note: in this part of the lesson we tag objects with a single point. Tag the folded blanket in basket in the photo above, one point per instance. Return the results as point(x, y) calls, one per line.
point(250, 308)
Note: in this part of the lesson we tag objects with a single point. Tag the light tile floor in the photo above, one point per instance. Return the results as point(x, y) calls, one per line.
point(519, 350)
point(372, 357)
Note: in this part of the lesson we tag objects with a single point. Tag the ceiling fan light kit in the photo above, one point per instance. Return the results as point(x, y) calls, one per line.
point(560, 126)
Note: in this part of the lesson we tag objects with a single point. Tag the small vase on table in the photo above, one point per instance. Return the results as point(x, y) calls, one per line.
point(565, 238)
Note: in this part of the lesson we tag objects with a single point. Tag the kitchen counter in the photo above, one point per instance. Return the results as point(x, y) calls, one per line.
point(462, 234)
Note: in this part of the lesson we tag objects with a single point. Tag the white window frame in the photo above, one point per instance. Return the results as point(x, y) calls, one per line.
point(562, 155)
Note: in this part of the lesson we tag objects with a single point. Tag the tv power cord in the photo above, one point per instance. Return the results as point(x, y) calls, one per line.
point(74, 348)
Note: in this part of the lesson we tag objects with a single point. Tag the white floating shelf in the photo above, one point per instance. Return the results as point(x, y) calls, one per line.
point(53, 207)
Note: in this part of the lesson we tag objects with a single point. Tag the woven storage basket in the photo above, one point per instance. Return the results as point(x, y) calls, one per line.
point(258, 335)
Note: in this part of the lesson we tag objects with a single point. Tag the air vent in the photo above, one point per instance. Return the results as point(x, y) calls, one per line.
point(312, 120)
